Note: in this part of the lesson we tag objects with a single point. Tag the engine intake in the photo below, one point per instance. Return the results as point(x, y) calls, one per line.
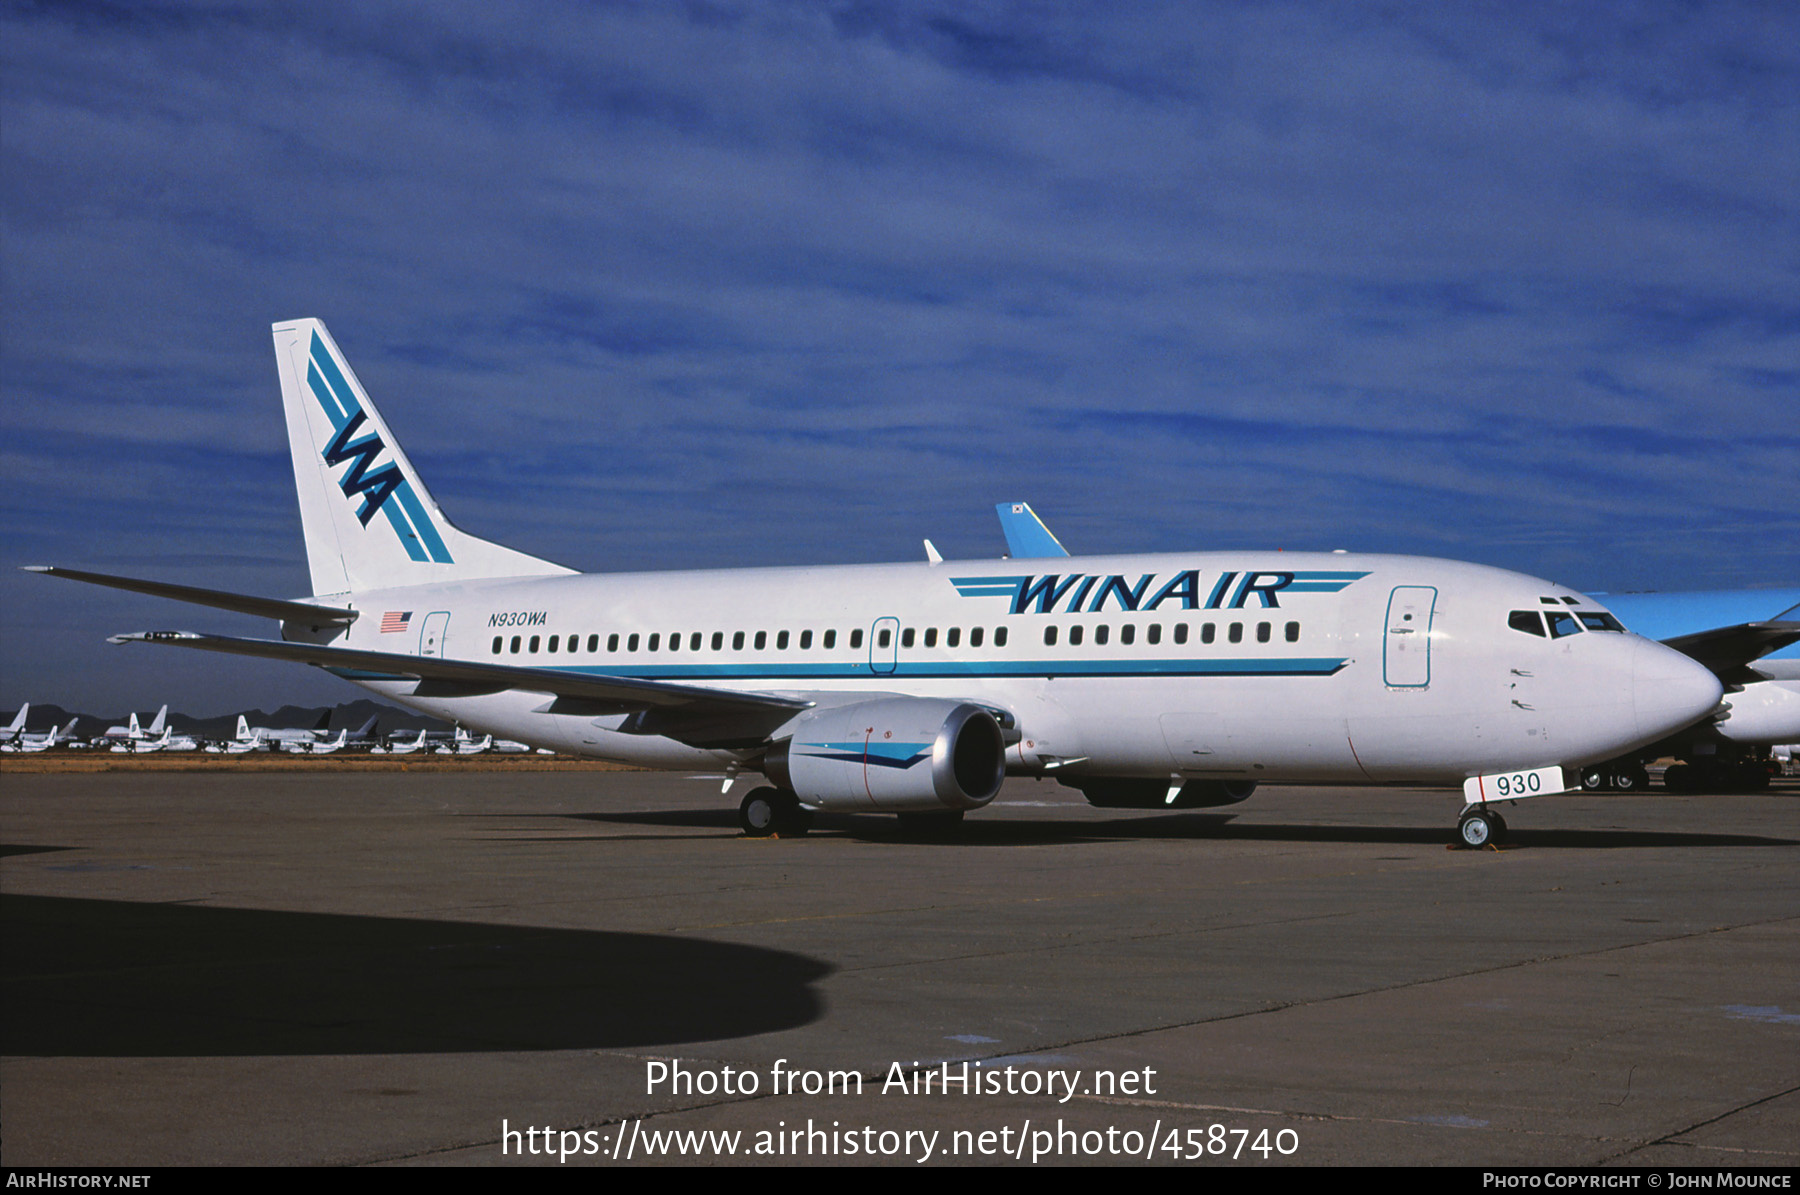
point(894, 755)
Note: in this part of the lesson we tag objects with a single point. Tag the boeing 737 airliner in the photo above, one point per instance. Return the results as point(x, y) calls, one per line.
point(1176, 680)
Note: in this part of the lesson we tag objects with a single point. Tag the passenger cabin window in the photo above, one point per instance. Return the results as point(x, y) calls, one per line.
point(1049, 636)
point(1528, 621)
point(612, 642)
point(694, 641)
point(515, 645)
point(554, 640)
point(906, 638)
point(497, 639)
point(1262, 632)
point(1293, 632)
point(631, 643)
point(1562, 623)
point(953, 637)
point(718, 641)
point(805, 640)
point(999, 636)
point(830, 639)
point(886, 637)
point(593, 643)
point(1075, 635)
point(654, 640)
point(1208, 633)
point(1127, 634)
point(975, 637)
point(856, 639)
point(1102, 633)
point(737, 641)
point(781, 641)
point(1181, 632)
point(762, 640)
point(534, 644)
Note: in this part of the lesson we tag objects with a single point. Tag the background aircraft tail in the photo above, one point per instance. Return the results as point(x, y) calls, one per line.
point(369, 521)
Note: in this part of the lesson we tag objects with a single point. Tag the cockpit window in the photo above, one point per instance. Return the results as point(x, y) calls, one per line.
point(1600, 620)
point(1562, 624)
point(1527, 621)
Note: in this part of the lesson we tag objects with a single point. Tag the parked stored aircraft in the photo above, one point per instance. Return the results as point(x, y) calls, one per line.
point(141, 745)
point(398, 746)
point(318, 747)
point(285, 737)
point(1745, 636)
point(30, 744)
point(1174, 680)
point(245, 741)
point(12, 732)
point(466, 744)
point(132, 732)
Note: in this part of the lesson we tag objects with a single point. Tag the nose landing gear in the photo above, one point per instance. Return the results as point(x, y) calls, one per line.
point(1480, 826)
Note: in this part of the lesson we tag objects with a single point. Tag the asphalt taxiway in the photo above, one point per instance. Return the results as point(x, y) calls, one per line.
point(402, 969)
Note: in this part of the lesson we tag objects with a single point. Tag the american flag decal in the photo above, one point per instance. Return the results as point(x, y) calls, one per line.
point(394, 620)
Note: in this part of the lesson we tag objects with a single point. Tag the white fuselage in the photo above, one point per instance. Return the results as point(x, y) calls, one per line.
point(1266, 666)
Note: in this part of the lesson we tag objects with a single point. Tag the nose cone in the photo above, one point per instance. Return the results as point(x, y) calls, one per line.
point(1670, 691)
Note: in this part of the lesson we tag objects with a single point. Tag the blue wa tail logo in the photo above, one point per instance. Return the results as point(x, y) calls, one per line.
point(1228, 591)
point(382, 489)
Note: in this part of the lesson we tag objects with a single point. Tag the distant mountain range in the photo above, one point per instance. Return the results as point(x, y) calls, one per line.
point(348, 716)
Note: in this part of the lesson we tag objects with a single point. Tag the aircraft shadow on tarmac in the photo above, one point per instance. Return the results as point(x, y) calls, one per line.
point(1013, 831)
point(100, 978)
point(9, 850)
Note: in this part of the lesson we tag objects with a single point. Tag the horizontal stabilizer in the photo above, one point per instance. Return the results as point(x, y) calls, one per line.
point(748, 712)
point(1728, 651)
point(242, 603)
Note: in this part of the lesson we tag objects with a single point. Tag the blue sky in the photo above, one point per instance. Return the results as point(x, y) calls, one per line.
point(648, 286)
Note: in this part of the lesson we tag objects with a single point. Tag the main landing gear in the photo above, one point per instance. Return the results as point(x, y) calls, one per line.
point(765, 811)
point(1480, 826)
point(1627, 776)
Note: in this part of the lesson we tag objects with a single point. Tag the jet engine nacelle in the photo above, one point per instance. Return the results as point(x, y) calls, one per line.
point(1134, 792)
point(894, 755)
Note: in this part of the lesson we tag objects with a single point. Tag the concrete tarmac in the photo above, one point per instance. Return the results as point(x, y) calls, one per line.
point(305, 968)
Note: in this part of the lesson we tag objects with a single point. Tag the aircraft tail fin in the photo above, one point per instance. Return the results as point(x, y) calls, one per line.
point(243, 728)
point(1026, 535)
point(369, 521)
point(162, 718)
point(18, 722)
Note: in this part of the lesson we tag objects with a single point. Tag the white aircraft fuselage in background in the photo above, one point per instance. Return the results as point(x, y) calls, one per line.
point(914, 688)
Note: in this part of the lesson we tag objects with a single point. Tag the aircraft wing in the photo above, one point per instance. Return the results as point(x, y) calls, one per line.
point(1728, 651)
point(690, 713)
point(242, 603)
